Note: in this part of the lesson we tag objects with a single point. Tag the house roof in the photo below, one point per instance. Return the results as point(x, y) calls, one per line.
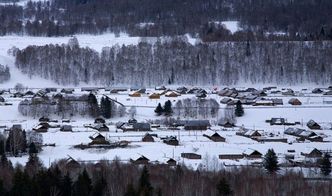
point(145, 126)
point(250, 151)
point(197, 123)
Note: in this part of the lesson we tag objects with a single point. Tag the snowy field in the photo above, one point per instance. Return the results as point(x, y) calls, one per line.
point(190, 141)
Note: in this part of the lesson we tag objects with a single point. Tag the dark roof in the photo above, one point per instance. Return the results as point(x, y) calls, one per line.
point(142, 126)
point(197, 123)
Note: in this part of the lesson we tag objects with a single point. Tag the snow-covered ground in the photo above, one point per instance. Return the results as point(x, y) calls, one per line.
point(190, 141)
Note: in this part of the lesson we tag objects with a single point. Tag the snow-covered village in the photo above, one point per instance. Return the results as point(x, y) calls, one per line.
point(103, 97)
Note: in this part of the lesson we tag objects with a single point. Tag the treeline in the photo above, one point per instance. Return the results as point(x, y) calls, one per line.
point(68, 177)
point(4, 73)
point(178, 62)
point(298, 19)
point(68, 106)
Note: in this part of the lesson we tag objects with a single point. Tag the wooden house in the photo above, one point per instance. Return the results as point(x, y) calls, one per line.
point(142, 160)
point(171, 162)
point(100, 120)
point(214, 136)
point(313, 125)
point(172, 94)
point(328, 92)
point(41, 128)
point(98, 139)
point(252, 154)
point(135, 94)
point(72, 164)
point(154, 96)
point(317, 91)
point(147, 138)
point(295, 101)
point(312, 153)
point(191, 155)
point(171, 140)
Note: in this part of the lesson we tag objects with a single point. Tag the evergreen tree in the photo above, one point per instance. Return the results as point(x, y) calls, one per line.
point(24, 141)
point(223, 188)
point(159, 110)
point(168, 108)
point(66, 185)
point(325, 165)
point(270, 162)
point(32, 148)
point(82, 187)
point(144, 185)
point(239, 109)
point(130, 190)
point(21, 184)
point(34, 165)
point(93, 105)
point(99, 187)
point(2, 189)
point(2, 144)
point(106, 107)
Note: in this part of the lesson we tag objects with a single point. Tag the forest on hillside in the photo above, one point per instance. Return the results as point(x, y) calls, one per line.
point(295, 19)
point(70, 177)
point(178, 62)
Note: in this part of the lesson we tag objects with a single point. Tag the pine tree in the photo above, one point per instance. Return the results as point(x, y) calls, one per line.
point(325, 165)
point(93, 105)
point(99, 187)
point(106, 107)
point(130, 190)
point(32, 148)
point(144, 185)
point(239, 109)
point(66, 185)
point(82, 187)
point(223, 188)
point(159, 110)
point(168, 108)
point(270, 162)
point(2, 189)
